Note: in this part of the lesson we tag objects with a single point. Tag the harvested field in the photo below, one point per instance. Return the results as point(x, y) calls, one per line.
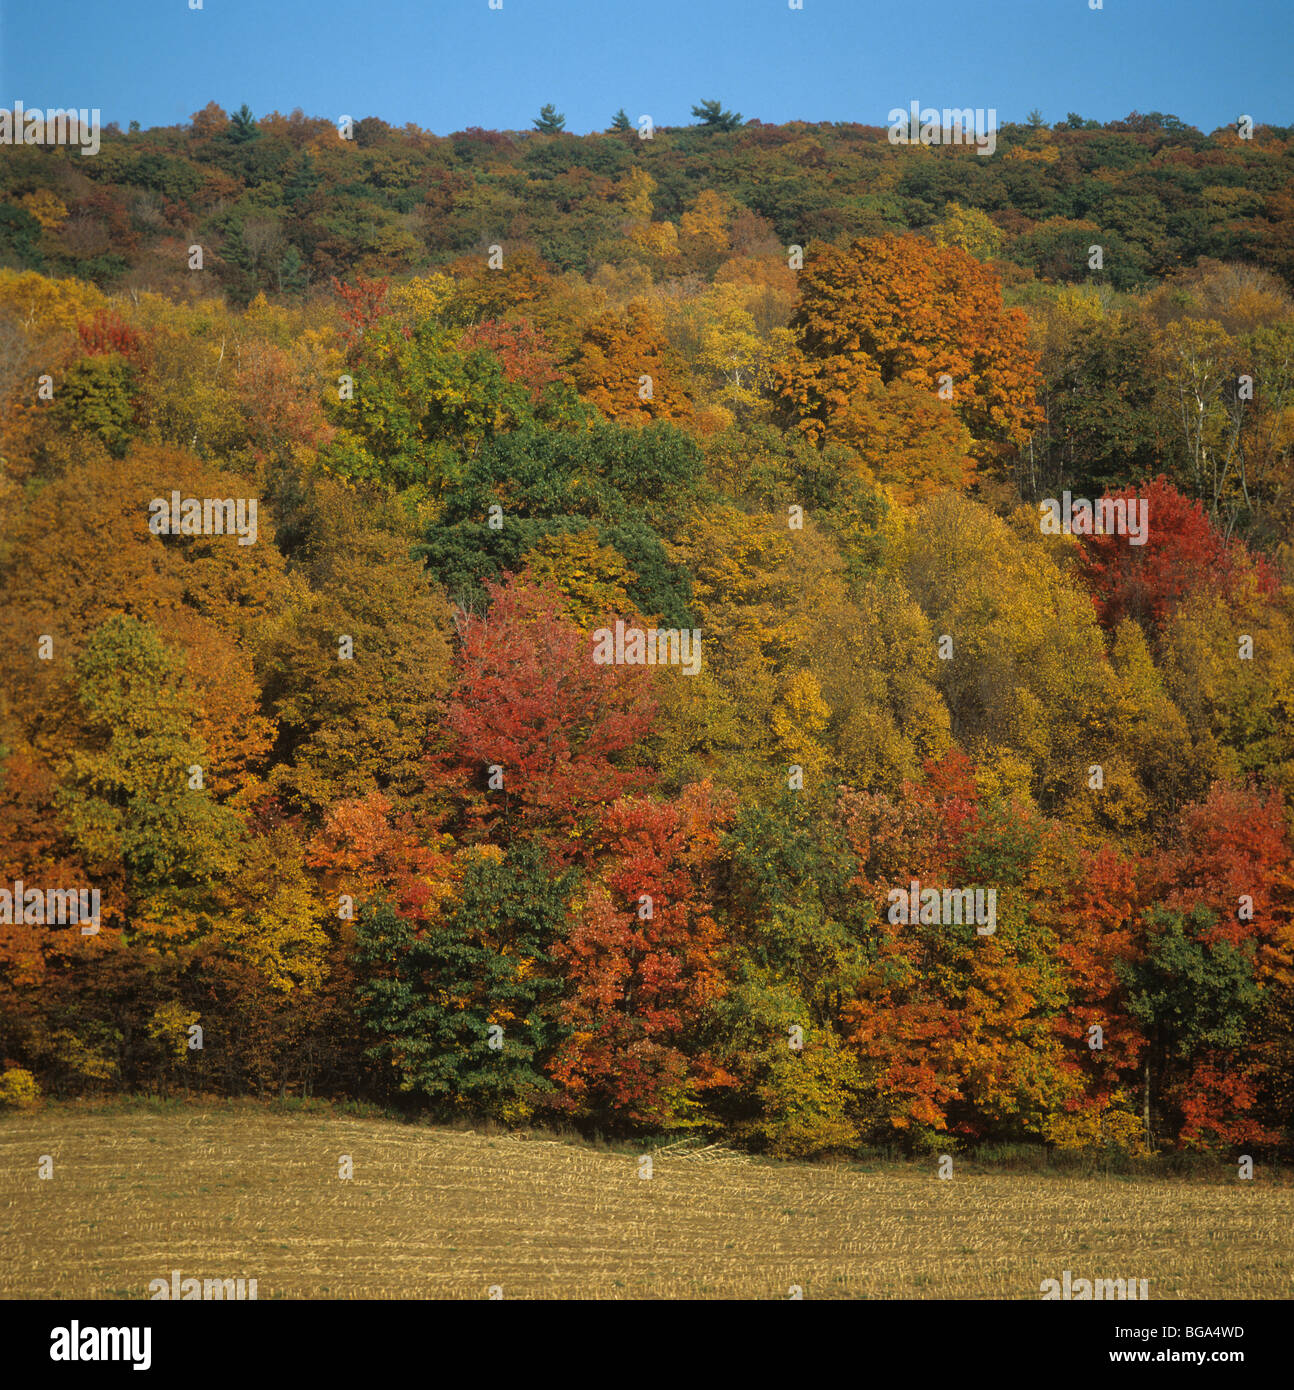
point(239, 1191)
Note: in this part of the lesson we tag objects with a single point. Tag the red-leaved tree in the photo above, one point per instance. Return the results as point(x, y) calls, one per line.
point(642, 964)
point(1183, 554)
point(531, 712)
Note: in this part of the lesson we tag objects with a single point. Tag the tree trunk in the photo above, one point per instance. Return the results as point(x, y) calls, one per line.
point(1145, 1112)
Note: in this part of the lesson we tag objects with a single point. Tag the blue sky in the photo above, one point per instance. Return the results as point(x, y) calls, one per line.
point(448, 64)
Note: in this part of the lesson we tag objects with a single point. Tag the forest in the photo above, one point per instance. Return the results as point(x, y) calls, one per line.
point(367, 817)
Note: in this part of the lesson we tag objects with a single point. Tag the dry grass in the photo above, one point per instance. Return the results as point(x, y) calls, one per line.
point(437, 1213)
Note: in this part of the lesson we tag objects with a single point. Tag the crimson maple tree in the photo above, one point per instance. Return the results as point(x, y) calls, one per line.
point(537, 732)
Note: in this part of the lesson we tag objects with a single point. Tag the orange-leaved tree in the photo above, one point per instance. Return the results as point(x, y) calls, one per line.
point(642, 965)
point(891, 312)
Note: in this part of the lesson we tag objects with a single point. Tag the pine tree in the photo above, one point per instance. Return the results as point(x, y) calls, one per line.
point(550, 121)
point(242, 126)
point(714, 117)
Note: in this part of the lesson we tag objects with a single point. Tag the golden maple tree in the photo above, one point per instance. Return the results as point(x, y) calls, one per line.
point(890, 311)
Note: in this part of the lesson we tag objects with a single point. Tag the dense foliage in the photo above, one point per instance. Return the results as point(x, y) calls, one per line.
point(368, 819)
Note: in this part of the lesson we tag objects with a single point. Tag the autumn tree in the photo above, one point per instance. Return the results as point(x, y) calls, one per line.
point(133, 792)
point(592, 578)
point(211, 120)
point(969, 230)
point(523, 350)
point(890, 309)
point(952, 1024)
point(1182, 554)
point(354, 665)
point(703, 232)
point(206, 596)
point(485, 290)
point(642, 967)
point(536, 731)
point(1021, 661)
point(625, 368)
point(1097, 920)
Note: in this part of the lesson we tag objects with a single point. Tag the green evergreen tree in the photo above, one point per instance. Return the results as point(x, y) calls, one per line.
point(292, 272)
point(242, 126)
point(550, 121)
point(466, 1012)
point(712, 115)
point(303, 181)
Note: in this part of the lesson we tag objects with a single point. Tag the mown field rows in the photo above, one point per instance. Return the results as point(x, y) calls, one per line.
point(436, 1213)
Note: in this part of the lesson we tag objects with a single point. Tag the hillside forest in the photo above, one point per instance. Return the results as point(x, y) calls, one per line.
point(379, 794)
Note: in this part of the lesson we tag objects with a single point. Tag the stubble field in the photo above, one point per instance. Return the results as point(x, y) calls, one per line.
point(241, 1192)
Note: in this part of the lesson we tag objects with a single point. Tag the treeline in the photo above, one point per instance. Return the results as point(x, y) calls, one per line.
point(368, 819)
point(284, 203)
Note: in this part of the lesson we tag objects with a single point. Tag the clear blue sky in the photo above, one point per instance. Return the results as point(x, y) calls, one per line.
point(448, 64)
